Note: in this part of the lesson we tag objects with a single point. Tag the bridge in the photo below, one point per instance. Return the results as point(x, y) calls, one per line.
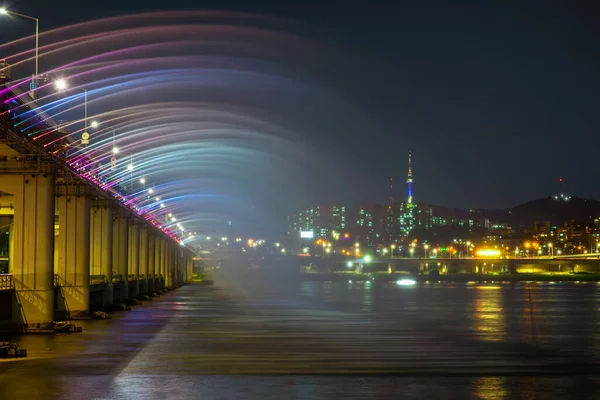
point(589, 263)
point(74, 242)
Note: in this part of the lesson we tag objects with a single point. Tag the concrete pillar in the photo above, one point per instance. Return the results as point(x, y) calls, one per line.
point(144, 255)
point(32, 253)
point(151, 261)
point(73, 248)
point(101, 245)
point(11, 246)
point(157, 258)
point(163, 262)
point(134, 259)
point(120, 256)
point(169, 265)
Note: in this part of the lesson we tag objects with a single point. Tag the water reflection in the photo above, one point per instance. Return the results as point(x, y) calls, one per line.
point(268, 341)
point(490, 388)
point(489, 319)
point(367, 301)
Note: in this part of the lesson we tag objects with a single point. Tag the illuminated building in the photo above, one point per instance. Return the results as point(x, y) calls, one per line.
point(371, 223)
point(320, 219)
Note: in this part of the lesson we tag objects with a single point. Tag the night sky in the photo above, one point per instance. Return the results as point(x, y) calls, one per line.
point(495, 99)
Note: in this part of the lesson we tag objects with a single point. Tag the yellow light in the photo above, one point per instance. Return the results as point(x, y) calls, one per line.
point(550, 245)
point(527, 244)
point(488, 253)
point(356, 244)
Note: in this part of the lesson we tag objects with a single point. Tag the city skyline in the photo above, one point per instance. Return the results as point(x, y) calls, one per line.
point(487, 130)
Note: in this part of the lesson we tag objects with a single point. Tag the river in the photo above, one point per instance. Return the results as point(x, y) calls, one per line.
point(259, 336)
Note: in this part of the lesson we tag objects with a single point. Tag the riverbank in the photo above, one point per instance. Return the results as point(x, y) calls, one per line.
point(386, 277)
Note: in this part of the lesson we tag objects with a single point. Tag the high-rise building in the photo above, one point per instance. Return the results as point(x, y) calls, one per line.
point(371, 223)
point(321, 219)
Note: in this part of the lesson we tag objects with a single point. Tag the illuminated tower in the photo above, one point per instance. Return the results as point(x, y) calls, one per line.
point(409, 178)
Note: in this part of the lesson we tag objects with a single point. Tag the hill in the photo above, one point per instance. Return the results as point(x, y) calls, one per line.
point(556, 209)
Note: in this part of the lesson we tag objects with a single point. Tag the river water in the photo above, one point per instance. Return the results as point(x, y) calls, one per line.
point(257, 336)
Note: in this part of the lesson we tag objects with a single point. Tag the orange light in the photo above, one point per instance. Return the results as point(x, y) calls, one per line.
point(346, 235)
point(527, 244)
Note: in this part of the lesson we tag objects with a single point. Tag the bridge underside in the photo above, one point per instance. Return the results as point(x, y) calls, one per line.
point(65, 248)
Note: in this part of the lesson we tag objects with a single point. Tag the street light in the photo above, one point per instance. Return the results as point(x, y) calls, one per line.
point(61, 85)
point(551, 249)
point(143, 181)
point(468, 245)
point(4, 11)
point(425, 246)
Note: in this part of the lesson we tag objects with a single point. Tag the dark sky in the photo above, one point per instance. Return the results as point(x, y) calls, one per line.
point(496, 99)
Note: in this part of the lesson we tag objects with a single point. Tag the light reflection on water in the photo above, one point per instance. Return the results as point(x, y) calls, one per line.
point(427, 341)
point(489, 313)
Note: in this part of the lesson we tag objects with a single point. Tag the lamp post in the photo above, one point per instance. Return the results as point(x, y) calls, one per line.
point(61, 85)
point(551, 249)
point(33, 86)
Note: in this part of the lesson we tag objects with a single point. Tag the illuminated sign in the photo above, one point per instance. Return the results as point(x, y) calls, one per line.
point(307, 234)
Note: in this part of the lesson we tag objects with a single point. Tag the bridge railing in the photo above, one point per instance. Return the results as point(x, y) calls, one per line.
point(6, 282)
point(131, 277)
point(117, 278)
point(97, 279)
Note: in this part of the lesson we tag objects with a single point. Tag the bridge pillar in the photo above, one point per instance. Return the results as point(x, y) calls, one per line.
point(101, 245)
point(120, 256)
point(32, 239)
point(169, 265)
point(151, 259)
point(73, 248)
point(163, 262)
point(179, 267)
point(144, 255)
point(134, 259)
point(157, 258)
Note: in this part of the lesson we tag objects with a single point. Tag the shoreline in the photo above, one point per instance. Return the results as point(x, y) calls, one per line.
point(455, 278)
